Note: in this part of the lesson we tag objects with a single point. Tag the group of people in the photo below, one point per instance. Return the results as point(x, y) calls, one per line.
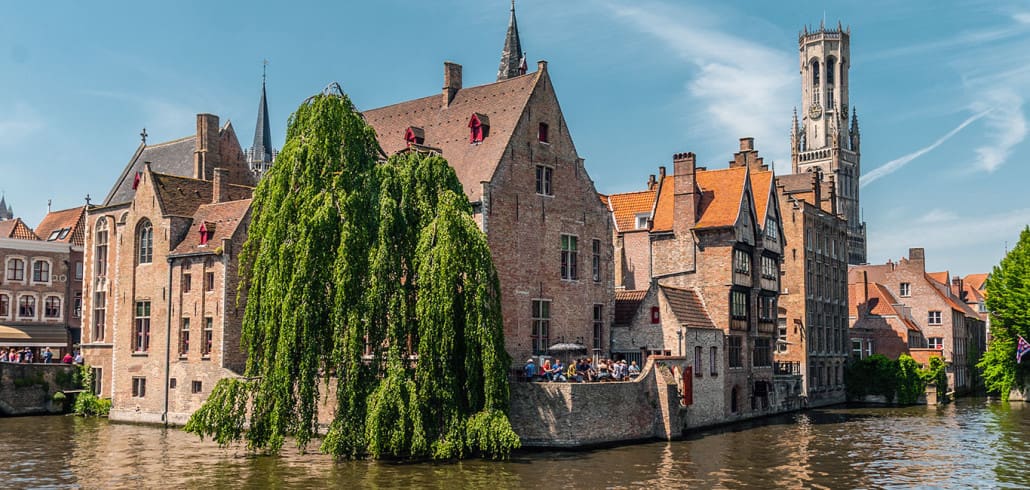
point(27, 355)
point(581, 371)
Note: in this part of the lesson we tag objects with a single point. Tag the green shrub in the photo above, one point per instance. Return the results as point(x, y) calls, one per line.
point(89, 405)
point(903, 379)
point(58, 397)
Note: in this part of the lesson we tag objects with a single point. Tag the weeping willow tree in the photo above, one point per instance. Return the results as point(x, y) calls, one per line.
point(371, 275)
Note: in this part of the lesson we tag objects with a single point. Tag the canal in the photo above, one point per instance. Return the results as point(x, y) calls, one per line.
point(971, 443)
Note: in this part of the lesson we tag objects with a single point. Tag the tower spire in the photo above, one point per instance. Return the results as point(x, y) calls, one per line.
point(261, 153)
point(513, 59)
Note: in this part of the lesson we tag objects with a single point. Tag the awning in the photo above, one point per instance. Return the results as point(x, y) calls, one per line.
point(33, 336)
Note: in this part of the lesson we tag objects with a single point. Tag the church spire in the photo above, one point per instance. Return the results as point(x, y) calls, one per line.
point(5, 211)
point(513, 59)
point(261, 154)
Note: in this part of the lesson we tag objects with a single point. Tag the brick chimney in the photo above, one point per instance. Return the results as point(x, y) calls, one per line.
point(205, 157)
point(748, 157)
point(451, 81)
point(685, 201)
point(917, 256)
point(220, 186)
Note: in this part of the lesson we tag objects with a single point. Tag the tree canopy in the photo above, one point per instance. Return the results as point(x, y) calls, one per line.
point(1008, 300)
point(369, 278)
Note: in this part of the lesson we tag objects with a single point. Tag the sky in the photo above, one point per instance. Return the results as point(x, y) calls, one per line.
point(939, 87)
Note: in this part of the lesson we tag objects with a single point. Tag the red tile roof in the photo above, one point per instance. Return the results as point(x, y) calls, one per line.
point(65, 226)
point(16, 228)
point(955, 305)
point(881, 303)
point(221, 220)
point(762, 188)
point(721, 193)
point(941, 277)
point(626, 206)
point(688, 308)
point(664, 211)
point(626, 305)
point(976, 280)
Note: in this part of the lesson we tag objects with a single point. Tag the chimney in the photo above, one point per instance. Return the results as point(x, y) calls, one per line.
point(747, 144)
point(206, 155)
point(541, 66)
point(917, 255)
point(220, 186)
point(650, 181)
point(748, 156)
point(684, 207)
point(451, 81)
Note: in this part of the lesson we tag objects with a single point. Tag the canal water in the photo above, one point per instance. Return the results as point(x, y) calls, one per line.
point(974, 443)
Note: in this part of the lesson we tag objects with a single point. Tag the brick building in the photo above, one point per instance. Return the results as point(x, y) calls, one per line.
point(813, 318)
point(531, 194)
point(950, 327)
point(161, 258)
point(879, 319)
point(713, 235)
point(41, 283)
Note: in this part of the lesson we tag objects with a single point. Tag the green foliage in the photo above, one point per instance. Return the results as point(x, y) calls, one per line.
point(375, 274)
point(1008, 300)
point(58, 397)
point(34, 380)
point(89, 405)
point(936, 374)
point(910, 382)
point(903, 378)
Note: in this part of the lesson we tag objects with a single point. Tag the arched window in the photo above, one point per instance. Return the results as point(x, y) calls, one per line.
point(5, 306)
point(52, 307)
point(145, 243)
point(27, 307)
point(815, 73)
point(100, 258)
point(831, 68)
point(40, 271)
point(15, 270)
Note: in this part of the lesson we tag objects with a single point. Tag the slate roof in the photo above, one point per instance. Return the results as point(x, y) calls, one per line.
point(626, 305)
point(688, 308)
point(171, 158)
point(221, 219)
point(181, 196)
point(626, 206)
point(262, 130)
point(16, 228)
point(446, 128)
point(64, 226)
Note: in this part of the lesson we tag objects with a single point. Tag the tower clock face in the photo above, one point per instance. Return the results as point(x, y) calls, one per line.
point(815, 112)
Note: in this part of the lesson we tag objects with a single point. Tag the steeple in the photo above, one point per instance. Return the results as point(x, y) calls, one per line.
point(261, 154)
point(5, 211)
point(513, 59)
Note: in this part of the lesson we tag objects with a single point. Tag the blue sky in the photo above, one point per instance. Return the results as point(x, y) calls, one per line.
point(939, 88)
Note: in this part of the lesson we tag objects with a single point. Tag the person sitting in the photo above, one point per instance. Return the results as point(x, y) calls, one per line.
point(617, 373)
point(67, 359)
point(530, 370)
point(558, 371)
point(604, 372)
point(545, 369)
point(633, 370)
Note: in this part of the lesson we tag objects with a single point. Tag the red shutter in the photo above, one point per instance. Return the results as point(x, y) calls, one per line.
point(655, 315)
point(135, 182)
point(688, 386)
point(203, 234)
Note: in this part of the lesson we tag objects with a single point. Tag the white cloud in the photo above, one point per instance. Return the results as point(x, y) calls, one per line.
point(938, 216)
point(18, 123)
point(1021, 17)
point(1007, 128)
point(742, 87)
point(896, 164)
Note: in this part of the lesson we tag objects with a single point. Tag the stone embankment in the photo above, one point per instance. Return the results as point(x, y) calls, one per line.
point(28, 389)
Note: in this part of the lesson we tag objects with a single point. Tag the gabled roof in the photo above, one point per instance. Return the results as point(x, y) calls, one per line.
point(181, 196)
point(626, 305)
point(940, 277)
point(221, 219)
point(881, 303)
point(65, 226)
point(762, 188)
point(664, 207)
point(16, 228)
point(977, 281)
point(171, 158)
point(626, 206)
point(446, 128)
point(688, 308)
point(721, 194)
point(955, 305)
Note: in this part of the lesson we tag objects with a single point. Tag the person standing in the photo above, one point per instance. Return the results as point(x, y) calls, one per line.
point(48, 356)
point(67, 359)
point(530, 369)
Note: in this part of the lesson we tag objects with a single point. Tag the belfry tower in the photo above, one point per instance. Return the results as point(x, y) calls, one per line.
point(824, 140)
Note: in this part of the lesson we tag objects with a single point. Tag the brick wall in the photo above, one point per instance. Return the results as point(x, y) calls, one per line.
point(33, 397)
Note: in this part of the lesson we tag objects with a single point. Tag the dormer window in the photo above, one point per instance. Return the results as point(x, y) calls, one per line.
point(479, 127)
point(207, 230)
point(641, 223)
point(541, 133)
point(414, 135)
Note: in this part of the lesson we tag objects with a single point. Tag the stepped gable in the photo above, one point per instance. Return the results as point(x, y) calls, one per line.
point(181, 196)
point(221, 220)
point(688, 308)
point(16, 228)
point(170, 158)
point(446, 127)
point(626, 305)
point(64, 226)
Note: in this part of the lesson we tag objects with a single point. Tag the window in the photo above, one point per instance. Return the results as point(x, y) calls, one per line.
point(78, 271)
point(172, 383)
point(141, 329)
point(99, 315)
point(187, 283)
point(981, 307)
point(40, 271)
point(98, 377)
point(543, 180)
point(209, 281)
point(734, 351)
point(5, 305)
point(595, 264)
point(830, 67)
point(641, 223)
point(196, 387)
point(145, 243)
point(698, 366)
point(781, 335)
point(856, 349)
point(568, 257)
point(829, 98)
point(763, 353)
point(205, 233)
point(52, 307)
point(936, 343)
point(101, 248)
point(905, 289)
point(868, 348)
point(772, 231)
point(815, 73)
point(27, 307)
point(139, 387)
point(713, 366)
point(934, 318)
point(184, 337)
point(738, 304)
point(209, 336)
point(479, 128)
point(741, 261)
point(598, 325)
point(770, 270)
point(541, 133)
point(77, 305)
point(541, 315)
point(15, 270)
point(767, 308)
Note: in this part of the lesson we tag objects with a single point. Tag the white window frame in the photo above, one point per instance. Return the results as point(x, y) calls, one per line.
point(26, 270)
point(60, 306)
point(36, 309)
point(931, 320)
point(640, 221)
point(905, 290)
point(49, 270)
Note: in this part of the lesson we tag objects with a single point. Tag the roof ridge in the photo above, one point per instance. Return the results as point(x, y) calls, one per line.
point(170, 142)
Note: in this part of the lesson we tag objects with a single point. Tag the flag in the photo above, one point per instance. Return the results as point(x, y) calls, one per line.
point(1022, 348)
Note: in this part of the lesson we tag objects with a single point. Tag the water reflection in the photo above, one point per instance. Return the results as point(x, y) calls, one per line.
point(973, 443)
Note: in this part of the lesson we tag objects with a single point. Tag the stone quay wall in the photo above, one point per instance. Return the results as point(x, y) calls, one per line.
point(28, 389)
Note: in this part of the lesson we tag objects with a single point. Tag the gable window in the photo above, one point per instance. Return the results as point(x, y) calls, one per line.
point(598, 325)
point(100, 255)
point(145, 243)
point(936, 342)
point(27, 307)
point(934, 318)
point(184, 337)
point(479, 128)
point(763, 353)
point(595, 264)
point(15, 270)
point(141, 327)
point(541, 315)
point(543, 180)
point(772, 231)
point(207, 230)
point(99, 315)
point(5, 305)
point(541, 133)
point(769, 268)
point(905, 290)
point(52, 307)
point(734, 352)
point(139, 387)
point(741, 261)
point(569, 255)
point(414, 135)
point(738, 304)
point(209, 337)
point(641, 223)
point(40, 271)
